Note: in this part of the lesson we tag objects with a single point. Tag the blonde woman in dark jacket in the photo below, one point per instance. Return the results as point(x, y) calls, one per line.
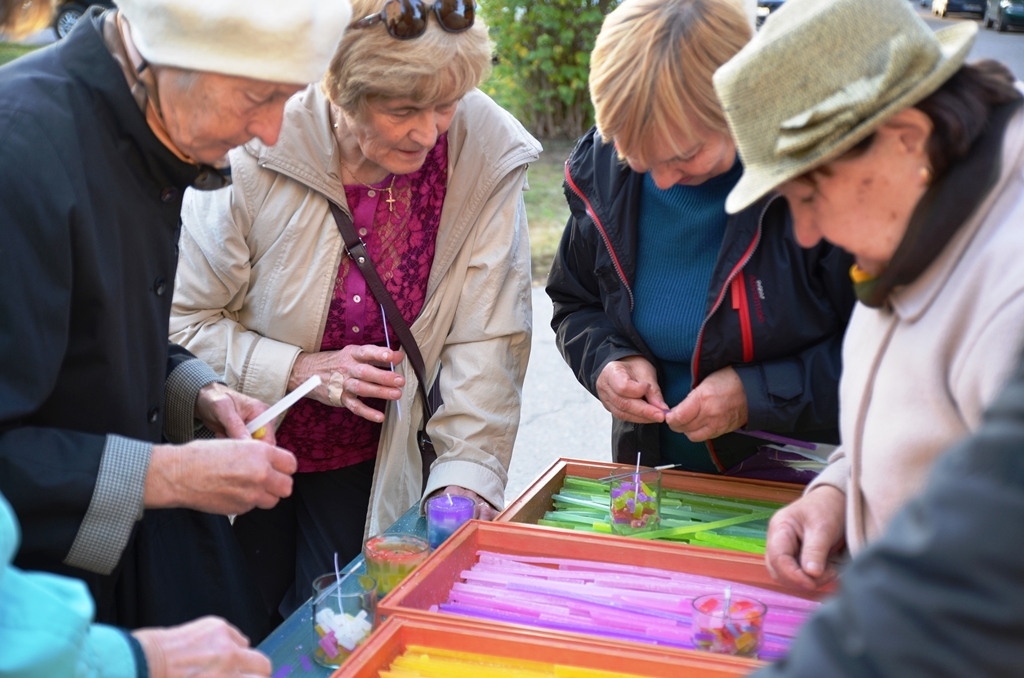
point(689, 324)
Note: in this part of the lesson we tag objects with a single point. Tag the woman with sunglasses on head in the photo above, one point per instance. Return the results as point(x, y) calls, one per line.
point(912, 161)
point(685, 323)
point(431, 173)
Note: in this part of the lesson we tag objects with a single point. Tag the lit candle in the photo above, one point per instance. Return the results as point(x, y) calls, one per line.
point(445, 513)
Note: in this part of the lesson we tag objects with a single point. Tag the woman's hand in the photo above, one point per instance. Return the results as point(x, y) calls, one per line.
point(226, 411)
point(208, 647)
point(628, 388)
point(803, 535)
point(484, 511)
point(718, 405)
point(350, 374)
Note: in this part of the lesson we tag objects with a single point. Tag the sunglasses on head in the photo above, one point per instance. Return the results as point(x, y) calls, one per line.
point(407, 19)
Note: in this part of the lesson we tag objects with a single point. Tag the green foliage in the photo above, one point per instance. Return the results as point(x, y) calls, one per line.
point(543, 57)
point(11, 51)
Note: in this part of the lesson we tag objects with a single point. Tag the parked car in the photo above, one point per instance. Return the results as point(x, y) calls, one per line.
point(766, 7)
point(943, 7)
point(68, 12)
point(1004, 13)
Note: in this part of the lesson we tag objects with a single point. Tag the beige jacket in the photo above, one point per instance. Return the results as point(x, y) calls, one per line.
point(256, 276)
point(918, 376)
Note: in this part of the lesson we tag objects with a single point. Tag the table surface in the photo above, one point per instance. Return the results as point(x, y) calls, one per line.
point(290, 646)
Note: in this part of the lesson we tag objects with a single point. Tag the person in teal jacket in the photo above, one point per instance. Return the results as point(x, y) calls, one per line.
point(46, 630)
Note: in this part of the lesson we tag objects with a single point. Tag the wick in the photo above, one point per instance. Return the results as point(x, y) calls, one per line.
point(337, 577)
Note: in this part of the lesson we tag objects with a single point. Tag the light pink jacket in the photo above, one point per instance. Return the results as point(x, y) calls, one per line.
point(919, 375)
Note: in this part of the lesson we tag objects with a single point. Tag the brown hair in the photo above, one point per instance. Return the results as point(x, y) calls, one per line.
point(961, 107)
point(651, 68)
point(18, 18)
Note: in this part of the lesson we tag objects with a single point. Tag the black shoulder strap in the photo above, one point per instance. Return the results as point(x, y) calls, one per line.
point(356, 249)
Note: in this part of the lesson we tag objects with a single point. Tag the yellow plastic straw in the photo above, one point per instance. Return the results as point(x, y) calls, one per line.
point(428, 662)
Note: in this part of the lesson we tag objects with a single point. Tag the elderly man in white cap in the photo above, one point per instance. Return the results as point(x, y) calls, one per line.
point(100, 135)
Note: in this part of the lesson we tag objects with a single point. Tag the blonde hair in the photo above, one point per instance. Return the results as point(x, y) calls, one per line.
point(18, 18)
point(651, 68)
point(436, 67)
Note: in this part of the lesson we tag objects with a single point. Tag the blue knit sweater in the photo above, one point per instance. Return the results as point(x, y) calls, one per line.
point(680, 233)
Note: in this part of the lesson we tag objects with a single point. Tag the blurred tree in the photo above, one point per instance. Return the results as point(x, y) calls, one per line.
point(542, 61)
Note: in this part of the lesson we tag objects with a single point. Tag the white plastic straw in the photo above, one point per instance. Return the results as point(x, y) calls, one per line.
point(387, 340)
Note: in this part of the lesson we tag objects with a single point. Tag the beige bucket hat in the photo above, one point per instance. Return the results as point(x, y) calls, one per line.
point(822, 75)
point(288, 41)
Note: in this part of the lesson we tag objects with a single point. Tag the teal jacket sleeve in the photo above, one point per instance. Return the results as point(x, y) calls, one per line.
point(46, 624)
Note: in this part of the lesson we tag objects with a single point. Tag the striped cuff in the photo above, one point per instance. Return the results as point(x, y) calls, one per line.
point(115, 507)
point(180, 393)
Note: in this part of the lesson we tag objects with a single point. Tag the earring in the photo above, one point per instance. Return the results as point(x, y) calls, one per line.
point(926, 176)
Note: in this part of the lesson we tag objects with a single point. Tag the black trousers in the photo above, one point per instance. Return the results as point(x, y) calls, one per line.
point(290, 545)
point(180, 565)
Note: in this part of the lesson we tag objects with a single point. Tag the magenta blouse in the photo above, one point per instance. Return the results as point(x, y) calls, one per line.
point(401, 244)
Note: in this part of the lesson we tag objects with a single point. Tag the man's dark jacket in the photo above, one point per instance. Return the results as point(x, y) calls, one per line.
point(90, 206)
point(776, 312)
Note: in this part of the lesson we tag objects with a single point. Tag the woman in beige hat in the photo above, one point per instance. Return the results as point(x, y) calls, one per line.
point(886, 144)
point(686, 323)
point(432, 173)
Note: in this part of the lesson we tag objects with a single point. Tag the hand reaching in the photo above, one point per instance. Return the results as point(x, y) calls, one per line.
point(803, 535)
point(206, 648)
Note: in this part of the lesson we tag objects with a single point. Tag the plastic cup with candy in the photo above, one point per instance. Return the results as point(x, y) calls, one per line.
point(738, 630)
point(635, 503)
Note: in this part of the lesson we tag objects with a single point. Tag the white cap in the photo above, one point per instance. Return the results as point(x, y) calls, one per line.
point(288, 41)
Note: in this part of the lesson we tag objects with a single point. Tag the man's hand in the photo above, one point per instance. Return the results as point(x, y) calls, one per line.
point(208, 647)
point(718, 405)
point(484, 511)
point(225, 476)
point(628, 388)
point(803, 535)
point(226, 412)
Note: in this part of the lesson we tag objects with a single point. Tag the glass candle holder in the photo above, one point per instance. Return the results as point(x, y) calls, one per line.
point(343, 616)
point(391, 557)
point(635, 501)
point(445, 514)
point(737, 631)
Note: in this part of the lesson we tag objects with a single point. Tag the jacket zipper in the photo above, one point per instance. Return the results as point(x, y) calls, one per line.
point(736, 270)
point(740, 304)
point(604, 234)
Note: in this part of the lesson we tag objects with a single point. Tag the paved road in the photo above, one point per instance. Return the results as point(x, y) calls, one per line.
point(560, 418)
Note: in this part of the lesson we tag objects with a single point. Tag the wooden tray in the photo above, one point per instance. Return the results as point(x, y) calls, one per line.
point(432, 581)
point(536, 500)
point(398, 632)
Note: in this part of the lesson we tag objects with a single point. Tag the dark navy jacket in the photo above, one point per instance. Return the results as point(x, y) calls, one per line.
point(90, 205)
point(776, 312)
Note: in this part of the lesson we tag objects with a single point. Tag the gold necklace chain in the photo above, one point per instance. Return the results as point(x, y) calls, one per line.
point(390, 188)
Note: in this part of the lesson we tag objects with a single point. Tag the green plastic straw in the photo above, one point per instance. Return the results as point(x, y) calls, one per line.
point(690, 517)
